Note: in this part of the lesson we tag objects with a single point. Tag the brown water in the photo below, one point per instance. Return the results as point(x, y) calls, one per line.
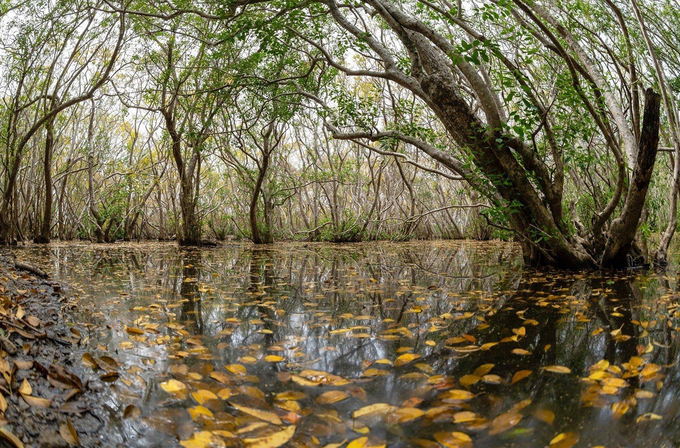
point(456, 343)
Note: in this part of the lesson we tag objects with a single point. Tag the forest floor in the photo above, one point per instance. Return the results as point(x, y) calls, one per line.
point(44, 401)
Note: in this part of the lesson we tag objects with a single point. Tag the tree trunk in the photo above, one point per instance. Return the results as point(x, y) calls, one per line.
point(99, 235)
point(257, 236)
point(44, 236)
point(623, 228)
point(191, 228)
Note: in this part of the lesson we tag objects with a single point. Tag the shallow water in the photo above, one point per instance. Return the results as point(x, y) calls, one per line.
point(458, 345)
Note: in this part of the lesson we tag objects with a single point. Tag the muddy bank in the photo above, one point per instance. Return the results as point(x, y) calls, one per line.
point(49, 400)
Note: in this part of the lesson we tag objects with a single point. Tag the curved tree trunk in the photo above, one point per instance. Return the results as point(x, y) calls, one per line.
point(623, 228)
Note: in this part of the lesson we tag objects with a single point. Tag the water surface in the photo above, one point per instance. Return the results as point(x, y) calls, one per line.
point(454, 343)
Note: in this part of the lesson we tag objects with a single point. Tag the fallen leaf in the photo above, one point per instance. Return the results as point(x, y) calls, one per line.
point(458, 395)
point(520, 375)
point(405, 359)
point(453, 439)
point(25, 388)
point(262, 415)
point(69, 433)
point(203, 395)
point(173, 387)
point(358, 443)
point(236, 369)
point(405, 415)
point(557, 369)
point(11, 438)
point(545, 415)
point(373, 409)
point(272, 441)
point(332, 396)
point(201, 439)
point(564, 440)
point(89, 361)
point(504, 422)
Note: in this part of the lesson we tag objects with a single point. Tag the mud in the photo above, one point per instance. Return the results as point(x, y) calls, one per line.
point(37, 343)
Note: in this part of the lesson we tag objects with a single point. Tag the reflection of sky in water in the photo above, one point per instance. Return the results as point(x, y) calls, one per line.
point(345, 309)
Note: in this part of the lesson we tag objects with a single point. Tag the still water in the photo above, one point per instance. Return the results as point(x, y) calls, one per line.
point(420, 344)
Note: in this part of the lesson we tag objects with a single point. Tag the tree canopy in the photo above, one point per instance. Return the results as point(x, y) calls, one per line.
point(551, 123)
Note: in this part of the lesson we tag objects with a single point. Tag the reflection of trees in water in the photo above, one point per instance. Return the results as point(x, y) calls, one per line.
point(190, 315)
point(323, 283)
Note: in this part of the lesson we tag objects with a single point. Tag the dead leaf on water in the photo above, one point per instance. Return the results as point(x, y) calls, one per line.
point(557, 369)
point(373, 409)
point(545, 415)
point(453, 439)
point(332, 396)
point(520, 375)
point(272, 441)
point(262, 415)
point(504, 422)
point(564, 440)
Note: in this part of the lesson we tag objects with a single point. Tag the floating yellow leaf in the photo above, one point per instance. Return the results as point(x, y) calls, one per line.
point(492, 379)
point(469, 380)
point(465, 417)
point(236, 369)
point(564, 440)
point(373, 409)
point(521, 352)
point(200, 439)
point(557, 369)
point(648, 416)
point(405, 359)
point(262, 415)
point(504, 422)
point(200, 411)
point(458, 395)
point(336, 445)
point(273, 358)
point(614, 382)
point(483, 369)
point(274, 440)
point(520, 375)
point(304, 381)
point(225, 393)
point(358, 442)
point(332, 396)
point(203, 395)
point(405, 415)
point(620, 408)
point(173, 386)
point(453, 439)
point(641, 394)
point(545, 415)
